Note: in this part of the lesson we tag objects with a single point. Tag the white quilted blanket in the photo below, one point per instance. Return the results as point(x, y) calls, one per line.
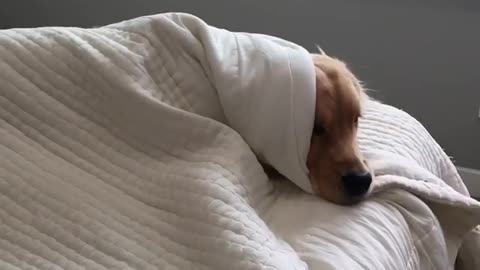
point(117, 152)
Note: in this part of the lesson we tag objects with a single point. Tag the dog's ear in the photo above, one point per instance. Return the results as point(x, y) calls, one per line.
point(320, 50)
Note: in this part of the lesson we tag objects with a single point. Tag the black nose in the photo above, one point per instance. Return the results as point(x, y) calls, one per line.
point(356, 184)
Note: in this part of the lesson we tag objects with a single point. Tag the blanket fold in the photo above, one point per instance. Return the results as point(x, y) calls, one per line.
point(265, 85)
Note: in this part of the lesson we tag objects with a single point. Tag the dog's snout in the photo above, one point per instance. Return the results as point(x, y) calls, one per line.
point(356, 184)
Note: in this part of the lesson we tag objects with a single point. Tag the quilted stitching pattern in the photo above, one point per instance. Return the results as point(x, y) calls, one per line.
point(77, 190)
point(389, 129)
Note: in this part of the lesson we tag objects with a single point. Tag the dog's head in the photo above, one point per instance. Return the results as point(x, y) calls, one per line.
point(338, 172)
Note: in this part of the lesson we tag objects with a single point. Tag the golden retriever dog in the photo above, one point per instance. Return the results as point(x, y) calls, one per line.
point(337, 170)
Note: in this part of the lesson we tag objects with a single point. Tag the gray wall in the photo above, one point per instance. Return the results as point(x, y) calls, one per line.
point(422, 56)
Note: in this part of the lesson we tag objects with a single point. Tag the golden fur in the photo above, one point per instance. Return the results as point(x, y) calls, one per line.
point(334, 150)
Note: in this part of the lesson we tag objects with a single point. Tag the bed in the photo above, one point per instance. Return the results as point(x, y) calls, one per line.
point(131, 146)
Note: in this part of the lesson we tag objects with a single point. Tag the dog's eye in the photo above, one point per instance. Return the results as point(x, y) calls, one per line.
point(356, 122)
point(318, 130)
